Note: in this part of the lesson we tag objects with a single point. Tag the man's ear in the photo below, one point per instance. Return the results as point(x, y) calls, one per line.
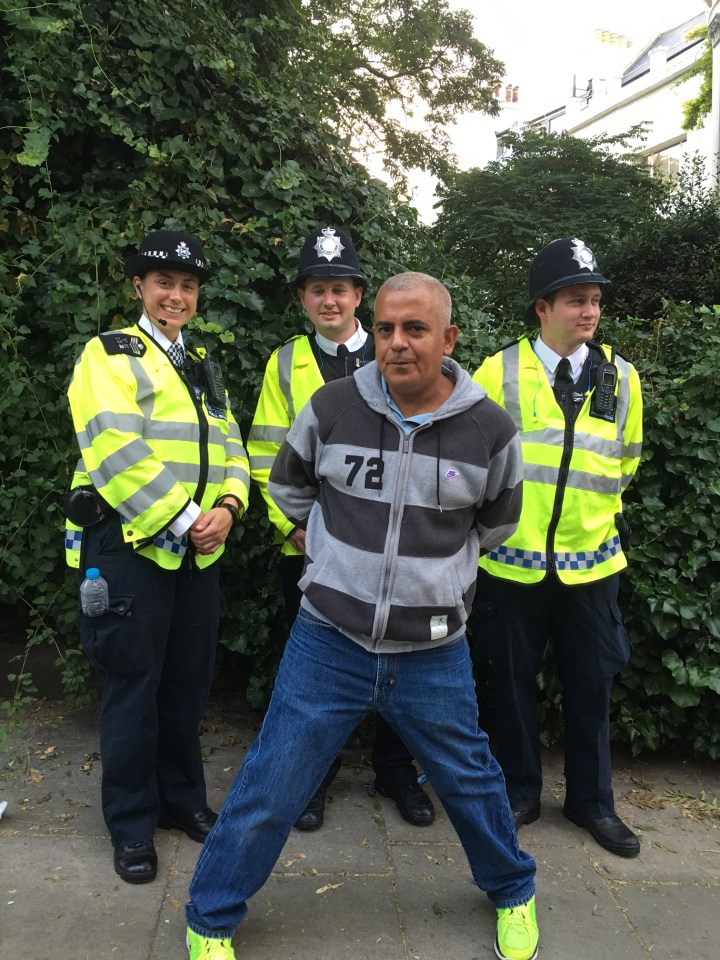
point(541, 308)
point(450, 335)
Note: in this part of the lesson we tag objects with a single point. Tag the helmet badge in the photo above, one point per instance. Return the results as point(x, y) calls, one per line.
point(328, 245)
point(583, 255)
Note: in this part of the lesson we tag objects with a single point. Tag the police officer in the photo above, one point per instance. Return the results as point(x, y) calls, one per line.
point(578, 407)
point(162, 459)
point(329, 285)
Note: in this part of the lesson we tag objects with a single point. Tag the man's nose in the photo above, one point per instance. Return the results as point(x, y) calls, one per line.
point(398, 340)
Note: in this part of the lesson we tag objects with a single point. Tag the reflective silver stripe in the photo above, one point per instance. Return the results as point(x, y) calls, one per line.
point(285, 355)
point(511, 382)
point(587, 442)
point(234, 431)
point(261, 463)
point(182, 472)
point(580, 480)
point(537, 559)
point(632, 450)
point(123, 422)
point(120, 460)
point(147, 496)
point(133, 423)
point(265, 434)
point(215, 475)
point(236, 473)
point(172, 430)
point(216, 436)
point(145, 395)
point(577, 479)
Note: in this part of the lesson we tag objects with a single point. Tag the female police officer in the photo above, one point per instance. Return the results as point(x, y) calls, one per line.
point(162, 462)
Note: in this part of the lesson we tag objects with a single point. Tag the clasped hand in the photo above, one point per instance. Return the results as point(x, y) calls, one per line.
point(210, 530)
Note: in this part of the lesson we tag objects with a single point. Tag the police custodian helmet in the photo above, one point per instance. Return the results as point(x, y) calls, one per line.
point(168, 250)
point(329, 252)
point(560, 264)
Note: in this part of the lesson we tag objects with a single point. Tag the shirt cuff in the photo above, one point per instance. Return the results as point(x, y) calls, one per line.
point(187, 518)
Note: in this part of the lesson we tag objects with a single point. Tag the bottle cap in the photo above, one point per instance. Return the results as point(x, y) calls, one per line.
point(92, 573)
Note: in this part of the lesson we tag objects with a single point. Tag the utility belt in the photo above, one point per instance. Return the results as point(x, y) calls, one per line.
point(84, 506)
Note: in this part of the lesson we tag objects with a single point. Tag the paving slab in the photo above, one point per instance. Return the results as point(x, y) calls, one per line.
point(367, 885)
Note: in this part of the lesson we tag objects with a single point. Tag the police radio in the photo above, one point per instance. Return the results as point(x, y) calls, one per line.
point(604, 402)
point(213, 382)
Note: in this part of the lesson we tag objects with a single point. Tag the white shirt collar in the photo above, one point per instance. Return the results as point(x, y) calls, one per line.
point(157, 335)
point(354, 343)
point(550, 359)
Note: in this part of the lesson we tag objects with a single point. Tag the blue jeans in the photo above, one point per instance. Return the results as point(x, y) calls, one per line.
point(326, 684)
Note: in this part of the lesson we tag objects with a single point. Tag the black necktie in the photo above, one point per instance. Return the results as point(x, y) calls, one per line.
point(342, 354)
point(564, 385)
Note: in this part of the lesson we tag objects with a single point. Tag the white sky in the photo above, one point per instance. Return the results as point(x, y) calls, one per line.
point(543, 44)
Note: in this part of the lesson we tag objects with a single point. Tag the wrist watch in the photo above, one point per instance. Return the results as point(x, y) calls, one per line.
point(229, 505)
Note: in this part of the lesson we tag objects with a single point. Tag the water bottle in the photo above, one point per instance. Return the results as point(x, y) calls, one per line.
point(94, 598)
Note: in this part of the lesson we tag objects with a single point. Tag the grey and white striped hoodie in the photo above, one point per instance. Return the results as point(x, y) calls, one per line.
point(395, 522)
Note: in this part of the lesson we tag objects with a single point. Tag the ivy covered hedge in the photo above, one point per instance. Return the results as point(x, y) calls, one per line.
point(671, 593)
point(111, 124)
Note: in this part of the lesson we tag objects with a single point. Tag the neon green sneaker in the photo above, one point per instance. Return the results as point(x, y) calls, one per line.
point(205, 948)
point(517, 932)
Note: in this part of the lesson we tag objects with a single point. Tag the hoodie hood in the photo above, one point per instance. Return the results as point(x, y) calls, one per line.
point(466, 392)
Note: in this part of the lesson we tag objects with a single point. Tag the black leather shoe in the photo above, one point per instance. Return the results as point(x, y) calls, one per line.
point(136, 862)
point(526, 815)
point(414, 804)
point(196, 825)
point(610, 832)
point(313, 816)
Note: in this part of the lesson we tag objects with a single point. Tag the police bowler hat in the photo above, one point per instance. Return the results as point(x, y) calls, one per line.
point(168, 250)
point(561, 263)
point(329, 252)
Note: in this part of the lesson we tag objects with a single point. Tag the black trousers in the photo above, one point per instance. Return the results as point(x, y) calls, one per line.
point(155, 651)
point(391, 759)
point(514, 623)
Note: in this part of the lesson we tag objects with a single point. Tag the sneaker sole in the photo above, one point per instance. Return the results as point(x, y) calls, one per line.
point(503, 957)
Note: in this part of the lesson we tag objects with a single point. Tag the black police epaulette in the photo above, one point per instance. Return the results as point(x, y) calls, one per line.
point(615, 353)
point(506, 345)
point(123, 343)
point(295, 336)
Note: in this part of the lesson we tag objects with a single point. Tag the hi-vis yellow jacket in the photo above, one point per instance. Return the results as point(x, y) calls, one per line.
point(291, 377)
point(150, 443)
point(573, 474)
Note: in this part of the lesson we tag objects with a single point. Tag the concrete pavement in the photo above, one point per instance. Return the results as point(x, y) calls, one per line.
point(367, 886)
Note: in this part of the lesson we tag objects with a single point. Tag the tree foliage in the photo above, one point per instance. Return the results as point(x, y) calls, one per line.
point(492, 220)
point(117, 118)
point(382, 63)
point(670, 594)
point(700, 106)
point(671, 252)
